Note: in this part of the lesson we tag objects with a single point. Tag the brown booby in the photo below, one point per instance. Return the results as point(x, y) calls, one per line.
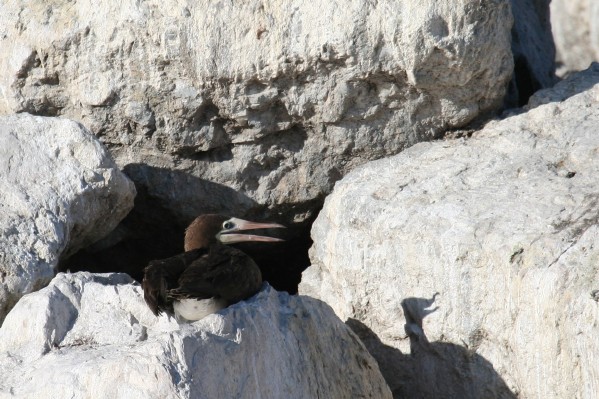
point(209, 275)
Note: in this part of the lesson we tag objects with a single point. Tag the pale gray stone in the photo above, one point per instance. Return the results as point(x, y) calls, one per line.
point(59, 191)
point(470, 265)
point(275, 100)
point(92, 336)
point(575, 26)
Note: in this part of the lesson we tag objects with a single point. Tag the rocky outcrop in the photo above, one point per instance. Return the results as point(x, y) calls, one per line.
point(575, 26)
point(276, 101)
point(89, 335)
point(59, 191)
point(477, 256)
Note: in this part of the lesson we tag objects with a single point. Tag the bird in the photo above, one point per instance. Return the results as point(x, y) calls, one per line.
point(210, 275)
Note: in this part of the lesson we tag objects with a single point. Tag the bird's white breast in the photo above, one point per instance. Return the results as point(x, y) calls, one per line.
point(196, 309)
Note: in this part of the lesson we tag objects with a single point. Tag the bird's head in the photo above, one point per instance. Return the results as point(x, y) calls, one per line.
point(211, 228)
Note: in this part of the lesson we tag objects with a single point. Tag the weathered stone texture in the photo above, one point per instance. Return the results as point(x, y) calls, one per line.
point(575, 25)
point(504, 227)
point(59, 191)
point(276, 100)
point(90, 336)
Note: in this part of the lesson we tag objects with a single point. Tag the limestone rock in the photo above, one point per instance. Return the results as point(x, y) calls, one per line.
point(274, 100)
point(575, 26)
point(59, 191)
point(91, 335)
point(478, 256)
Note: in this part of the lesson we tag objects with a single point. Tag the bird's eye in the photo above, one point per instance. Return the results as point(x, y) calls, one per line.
point(228, 225)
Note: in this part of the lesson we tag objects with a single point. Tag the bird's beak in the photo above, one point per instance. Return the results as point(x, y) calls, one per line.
point(240, 225)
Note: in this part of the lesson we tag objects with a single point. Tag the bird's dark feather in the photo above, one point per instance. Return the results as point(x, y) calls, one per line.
point(162, 275)
point(218, 275)
point(201, 274)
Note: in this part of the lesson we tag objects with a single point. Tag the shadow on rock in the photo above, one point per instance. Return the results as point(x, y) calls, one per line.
point(155, 228)
point(432, 369)
point(572, 85)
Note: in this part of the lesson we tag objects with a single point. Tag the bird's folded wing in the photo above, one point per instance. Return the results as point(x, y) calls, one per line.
point(162, 275)
point(223, 273)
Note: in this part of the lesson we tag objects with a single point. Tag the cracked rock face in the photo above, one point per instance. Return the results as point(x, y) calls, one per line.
point(59, 191)
point(276, 101)
point(504, 227)
point(92, 335)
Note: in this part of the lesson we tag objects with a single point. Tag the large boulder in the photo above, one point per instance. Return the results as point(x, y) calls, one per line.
point(237, 106)
point(89, 335)
point(59, 191)
point(476, 255)
point(575, 26)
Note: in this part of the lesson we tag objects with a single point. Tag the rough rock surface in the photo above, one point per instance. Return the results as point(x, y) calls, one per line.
point(59, 191)
point(575, 26)
point(533, 48)
point(275, 100)
point(503, 227)
point(571, 85)
point(89, 335)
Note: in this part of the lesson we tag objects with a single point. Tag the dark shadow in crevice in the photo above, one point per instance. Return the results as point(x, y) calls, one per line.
point(574, 84)
point(282, 264)
point(148, 232)
point(526, 84)
point(152, 230)
point(432, 369)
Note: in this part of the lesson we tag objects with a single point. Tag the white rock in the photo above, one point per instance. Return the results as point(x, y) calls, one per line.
point(504, 226)
point(575, 25)
point(276, 101)
point(59, 191)
point(92, 336)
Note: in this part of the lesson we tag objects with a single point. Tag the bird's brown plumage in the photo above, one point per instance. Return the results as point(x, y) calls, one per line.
point(208, 269)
